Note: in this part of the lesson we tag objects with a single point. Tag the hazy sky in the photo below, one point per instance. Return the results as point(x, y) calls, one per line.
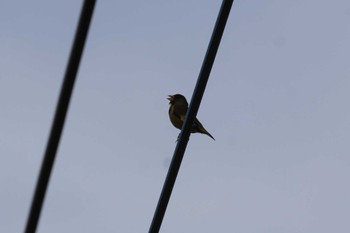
point(277, 103)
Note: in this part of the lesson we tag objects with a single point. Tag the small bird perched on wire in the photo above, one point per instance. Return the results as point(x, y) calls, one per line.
point(177, 112)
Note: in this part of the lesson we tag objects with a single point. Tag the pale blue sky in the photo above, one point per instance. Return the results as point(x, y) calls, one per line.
point(277, 103)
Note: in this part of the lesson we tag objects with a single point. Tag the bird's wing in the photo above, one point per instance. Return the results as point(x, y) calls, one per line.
point(180, 111)
point(197, 125)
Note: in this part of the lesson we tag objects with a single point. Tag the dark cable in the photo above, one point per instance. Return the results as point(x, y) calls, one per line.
point(190, 116)
point(60, 115)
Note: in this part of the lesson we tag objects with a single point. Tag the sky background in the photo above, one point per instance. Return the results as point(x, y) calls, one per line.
point(277, 103)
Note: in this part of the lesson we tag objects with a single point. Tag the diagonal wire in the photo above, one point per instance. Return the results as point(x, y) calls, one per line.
point(190, 116)
point(60, 115)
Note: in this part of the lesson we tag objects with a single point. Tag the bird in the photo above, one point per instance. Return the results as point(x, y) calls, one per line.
point(177, 112)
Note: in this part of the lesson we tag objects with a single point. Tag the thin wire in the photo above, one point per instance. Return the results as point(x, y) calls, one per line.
point(60, 115)
point(190, 116)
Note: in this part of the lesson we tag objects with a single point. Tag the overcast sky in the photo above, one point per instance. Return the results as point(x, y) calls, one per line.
point(277, 103)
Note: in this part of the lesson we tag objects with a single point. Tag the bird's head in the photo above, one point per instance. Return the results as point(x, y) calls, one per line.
point(176, 98)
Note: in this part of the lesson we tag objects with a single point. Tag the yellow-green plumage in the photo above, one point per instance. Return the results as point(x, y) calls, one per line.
point(177, 112)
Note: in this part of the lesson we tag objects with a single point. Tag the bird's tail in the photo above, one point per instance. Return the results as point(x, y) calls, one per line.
point(204, 131)
point(198, 128)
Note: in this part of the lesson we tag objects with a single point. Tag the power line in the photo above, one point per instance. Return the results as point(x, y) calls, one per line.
point(190, 116)
point(60, 115)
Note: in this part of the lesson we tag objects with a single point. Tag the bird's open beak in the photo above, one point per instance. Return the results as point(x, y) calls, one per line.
point(170, 98)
